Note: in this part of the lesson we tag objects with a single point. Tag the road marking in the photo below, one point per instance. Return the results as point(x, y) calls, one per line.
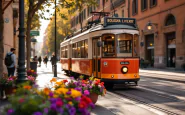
point(139, 104)
point(161, 92)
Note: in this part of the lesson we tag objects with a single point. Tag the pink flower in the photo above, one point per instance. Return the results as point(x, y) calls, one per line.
point(86, 92)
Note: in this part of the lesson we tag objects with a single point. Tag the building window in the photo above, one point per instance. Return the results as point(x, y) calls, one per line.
point(144, 4)
point(170, 20)
point(134, 7)
point(123, 13)
point(153, 3)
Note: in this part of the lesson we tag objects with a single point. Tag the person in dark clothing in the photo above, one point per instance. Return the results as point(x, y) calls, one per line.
point(45, 60)
point(11, 68)
point(53, 60)
point(40, 60)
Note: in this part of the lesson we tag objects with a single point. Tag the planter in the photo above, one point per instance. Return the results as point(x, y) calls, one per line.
point(93, 97)
point(9, 90)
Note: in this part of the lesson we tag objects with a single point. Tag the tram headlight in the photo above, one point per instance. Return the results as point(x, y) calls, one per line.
point(124, 69)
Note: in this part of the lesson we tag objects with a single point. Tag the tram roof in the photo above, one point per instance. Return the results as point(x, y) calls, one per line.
point(109, 23)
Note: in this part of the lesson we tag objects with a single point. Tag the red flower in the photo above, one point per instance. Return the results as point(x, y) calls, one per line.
point(65, 81)
point(21, 100)
point(82, 104)
point(59, 103)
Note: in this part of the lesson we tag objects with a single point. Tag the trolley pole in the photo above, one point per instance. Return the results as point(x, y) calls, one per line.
point(55, 65)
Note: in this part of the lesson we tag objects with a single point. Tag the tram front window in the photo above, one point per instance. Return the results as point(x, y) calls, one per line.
point(124, 45)
point(109, 45)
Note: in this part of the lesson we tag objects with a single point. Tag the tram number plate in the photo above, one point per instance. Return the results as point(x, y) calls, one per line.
point(124, 63)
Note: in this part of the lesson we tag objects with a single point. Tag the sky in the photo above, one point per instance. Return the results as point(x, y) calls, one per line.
point(44, 24)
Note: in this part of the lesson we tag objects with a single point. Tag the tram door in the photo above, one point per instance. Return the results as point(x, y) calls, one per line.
point(96, 58)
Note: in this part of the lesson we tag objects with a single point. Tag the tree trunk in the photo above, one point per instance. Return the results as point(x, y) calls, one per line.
point(28, 38)
point(1, 38)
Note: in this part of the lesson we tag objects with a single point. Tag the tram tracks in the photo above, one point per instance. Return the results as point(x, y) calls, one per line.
point(151, 107)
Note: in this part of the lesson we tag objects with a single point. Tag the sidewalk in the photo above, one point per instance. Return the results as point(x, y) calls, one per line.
point(110, 104)
point(163, 74)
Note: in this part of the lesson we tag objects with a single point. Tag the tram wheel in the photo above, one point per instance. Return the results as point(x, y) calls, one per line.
point(109, 85)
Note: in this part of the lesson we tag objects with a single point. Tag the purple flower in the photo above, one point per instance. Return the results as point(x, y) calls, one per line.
point(60, 110)
point(92, 105)
point(67, 106)
point(72, 77)
point(101, 89)
point(68, 93)
point(72, 111)
point(86, 92)
point(50, 94)
point(46, 110)
point(53, 107)
point(35, 86)
point(52, 100)
point(78, 89)
point(37, 113)
point(78, 98)
point(90, 87)
point(10, 111)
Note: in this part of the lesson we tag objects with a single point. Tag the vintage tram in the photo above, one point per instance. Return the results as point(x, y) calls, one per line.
point(108, 51)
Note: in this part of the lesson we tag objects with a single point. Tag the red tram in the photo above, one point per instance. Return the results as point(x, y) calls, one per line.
point(108, 51)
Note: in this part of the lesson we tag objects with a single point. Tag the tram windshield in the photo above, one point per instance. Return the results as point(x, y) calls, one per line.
point(108, 45)
point(124, 45)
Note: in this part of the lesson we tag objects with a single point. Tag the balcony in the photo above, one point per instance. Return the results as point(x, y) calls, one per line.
point(117, 3)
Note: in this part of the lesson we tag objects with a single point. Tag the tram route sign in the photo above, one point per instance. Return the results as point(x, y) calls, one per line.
point(117, 21)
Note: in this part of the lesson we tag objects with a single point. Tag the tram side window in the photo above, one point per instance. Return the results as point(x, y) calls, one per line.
point(86, 49)
point(74, 52)
point(66, 52)
point(82, 49)
point(124, 45)
point(78, 50)
point(63, 52)
point(109, 46)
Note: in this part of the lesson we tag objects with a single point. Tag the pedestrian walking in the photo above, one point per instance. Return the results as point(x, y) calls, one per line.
point(35, 59)
point(45, 60)
point(40, 60)
point(53, 60)
point(10, 62)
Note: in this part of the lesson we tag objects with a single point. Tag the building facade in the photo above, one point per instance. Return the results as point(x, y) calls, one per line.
point(10, 27)
point(116, 8)
point(162, 31)
point(161, 24)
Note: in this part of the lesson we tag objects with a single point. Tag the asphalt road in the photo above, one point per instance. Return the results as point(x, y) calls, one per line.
point(163, 94)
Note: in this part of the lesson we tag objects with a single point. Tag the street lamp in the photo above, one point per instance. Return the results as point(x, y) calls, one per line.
point(55, 65)
point(149, 27)
point(21, 58)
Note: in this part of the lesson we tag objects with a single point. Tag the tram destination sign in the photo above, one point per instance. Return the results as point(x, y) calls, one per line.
point(117, 21)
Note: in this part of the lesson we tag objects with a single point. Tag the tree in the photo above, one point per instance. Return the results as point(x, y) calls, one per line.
point(34, 6)
point(1, 37)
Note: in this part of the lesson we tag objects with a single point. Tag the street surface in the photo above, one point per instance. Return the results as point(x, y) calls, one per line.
point(153, 96)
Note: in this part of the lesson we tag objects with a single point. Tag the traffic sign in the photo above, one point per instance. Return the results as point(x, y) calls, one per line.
point(34, 33)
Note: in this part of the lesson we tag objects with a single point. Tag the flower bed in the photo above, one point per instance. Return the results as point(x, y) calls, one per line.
point(28, 100)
